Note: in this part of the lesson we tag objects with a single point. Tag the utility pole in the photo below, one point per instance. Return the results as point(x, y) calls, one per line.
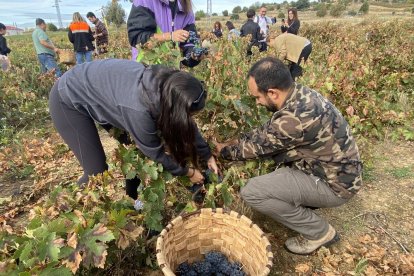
point(59, 16)
point(209, 11)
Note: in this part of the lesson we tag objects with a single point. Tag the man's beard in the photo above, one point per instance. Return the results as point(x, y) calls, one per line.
point(270, 106)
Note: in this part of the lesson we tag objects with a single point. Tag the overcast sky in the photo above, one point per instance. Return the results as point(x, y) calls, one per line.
point(24, 13)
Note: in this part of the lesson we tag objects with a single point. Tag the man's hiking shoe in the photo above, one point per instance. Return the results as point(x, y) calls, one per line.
point(300, 245)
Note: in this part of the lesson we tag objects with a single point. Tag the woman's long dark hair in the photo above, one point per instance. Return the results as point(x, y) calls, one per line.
point(179, 91)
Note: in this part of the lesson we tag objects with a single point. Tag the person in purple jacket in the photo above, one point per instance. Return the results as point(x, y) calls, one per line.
point(154, 104)
point(163, 21)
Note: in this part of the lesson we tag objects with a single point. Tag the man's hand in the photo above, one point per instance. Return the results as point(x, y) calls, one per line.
point(220, 146)
point(56, 50)
point(212, 165)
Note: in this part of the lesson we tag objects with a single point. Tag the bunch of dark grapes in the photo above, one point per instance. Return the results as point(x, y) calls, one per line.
point(196, 52)
point(184, 269)
point(214, 264)
point(193, 38)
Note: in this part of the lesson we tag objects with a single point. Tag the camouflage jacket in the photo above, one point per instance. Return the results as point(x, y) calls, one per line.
point(311, 134)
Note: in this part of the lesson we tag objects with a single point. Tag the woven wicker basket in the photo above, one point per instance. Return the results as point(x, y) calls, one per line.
point(188, 237)
point(67, 56)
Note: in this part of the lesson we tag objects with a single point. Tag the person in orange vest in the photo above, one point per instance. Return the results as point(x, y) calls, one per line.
point(294, 49)
point(81, 36)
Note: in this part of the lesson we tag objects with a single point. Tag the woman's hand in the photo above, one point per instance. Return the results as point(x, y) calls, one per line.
point(195, 176)
point(212, 165)
point(180, 36)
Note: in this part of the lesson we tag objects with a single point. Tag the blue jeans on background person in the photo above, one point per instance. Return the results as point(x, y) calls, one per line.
point(82, 57)
point(48, 63)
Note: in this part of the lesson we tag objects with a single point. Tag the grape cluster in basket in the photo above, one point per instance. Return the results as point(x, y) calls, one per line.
point(214, 264)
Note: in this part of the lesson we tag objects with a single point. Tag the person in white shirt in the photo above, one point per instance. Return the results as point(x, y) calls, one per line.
point(264, 23)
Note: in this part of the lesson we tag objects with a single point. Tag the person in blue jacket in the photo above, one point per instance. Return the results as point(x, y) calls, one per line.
point(154, 104)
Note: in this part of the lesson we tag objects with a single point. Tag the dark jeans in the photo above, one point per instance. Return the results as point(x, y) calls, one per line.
point(295, 68)
point(81, 135)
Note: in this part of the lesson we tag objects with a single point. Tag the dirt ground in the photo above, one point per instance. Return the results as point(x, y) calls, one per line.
point(376, 228)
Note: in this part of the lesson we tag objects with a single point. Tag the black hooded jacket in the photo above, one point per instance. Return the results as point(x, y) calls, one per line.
point(4, 50)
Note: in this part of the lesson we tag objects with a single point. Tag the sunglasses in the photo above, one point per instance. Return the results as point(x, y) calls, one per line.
point(204, 92)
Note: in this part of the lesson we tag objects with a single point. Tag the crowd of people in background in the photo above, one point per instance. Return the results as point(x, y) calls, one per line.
point(288, 45)
point(169, 21)
point(79, 34)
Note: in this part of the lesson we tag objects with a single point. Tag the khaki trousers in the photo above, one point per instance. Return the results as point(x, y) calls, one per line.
point(286, 195)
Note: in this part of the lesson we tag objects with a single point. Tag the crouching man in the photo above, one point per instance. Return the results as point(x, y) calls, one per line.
point(312, 139)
